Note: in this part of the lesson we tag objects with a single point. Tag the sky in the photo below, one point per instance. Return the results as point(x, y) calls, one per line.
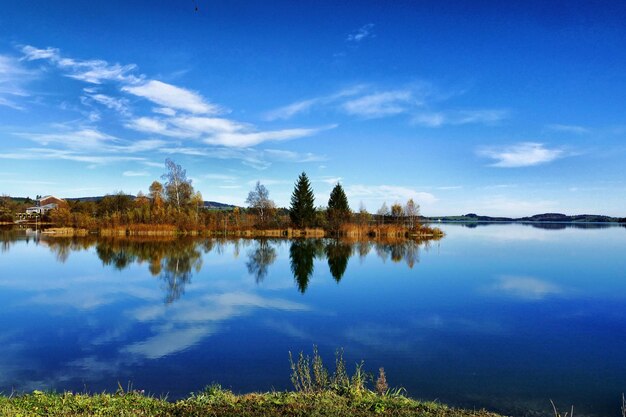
point(497, 108)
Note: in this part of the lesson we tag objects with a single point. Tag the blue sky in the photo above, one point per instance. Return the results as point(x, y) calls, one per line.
point(500, 109)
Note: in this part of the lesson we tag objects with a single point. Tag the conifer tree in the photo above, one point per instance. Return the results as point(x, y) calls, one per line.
point(338, 208)
point(302, 210)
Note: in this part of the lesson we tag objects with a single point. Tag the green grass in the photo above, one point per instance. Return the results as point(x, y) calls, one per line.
point(215, 401)
point(318, 393)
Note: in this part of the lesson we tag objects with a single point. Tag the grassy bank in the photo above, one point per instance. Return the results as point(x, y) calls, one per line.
point(215, 401)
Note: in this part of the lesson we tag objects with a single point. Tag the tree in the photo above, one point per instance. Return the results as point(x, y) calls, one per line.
point(259, 199)
point(412, 212)
point(338, 209)
point(383, 211)
point(178, 188)
point(302, 210)
point(156, 194)
point(397, 212)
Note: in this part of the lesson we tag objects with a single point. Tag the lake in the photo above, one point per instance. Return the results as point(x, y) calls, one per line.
point(505, 317)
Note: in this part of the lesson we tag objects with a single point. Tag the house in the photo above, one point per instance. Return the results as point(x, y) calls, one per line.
point(45, 204)
point(50, 199)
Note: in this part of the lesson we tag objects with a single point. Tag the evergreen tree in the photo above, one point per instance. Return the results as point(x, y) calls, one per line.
point(302, 210)
point(338, 209)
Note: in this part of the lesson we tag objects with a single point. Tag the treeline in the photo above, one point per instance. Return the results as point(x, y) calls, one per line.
point(173, 205)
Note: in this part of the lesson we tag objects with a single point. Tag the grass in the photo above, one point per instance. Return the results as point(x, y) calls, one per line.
point(215, 401)
point(318, 393)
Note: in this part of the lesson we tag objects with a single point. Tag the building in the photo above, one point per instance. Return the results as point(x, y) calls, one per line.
point(45, 204)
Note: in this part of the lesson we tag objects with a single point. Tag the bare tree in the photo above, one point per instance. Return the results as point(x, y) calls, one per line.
point(383, 211)
point(177, 188)
point(259, 199)
point(412, 212)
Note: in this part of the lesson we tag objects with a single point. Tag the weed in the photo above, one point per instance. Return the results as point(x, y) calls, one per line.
point(381, 382)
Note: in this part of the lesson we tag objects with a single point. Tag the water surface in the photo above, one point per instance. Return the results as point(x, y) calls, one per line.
point(498, 316)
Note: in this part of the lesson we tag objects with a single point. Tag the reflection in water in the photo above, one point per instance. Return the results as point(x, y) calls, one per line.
point(172, 260)
point(301, 254)
point(260, 259)
point(175, 260)
point(338, 254)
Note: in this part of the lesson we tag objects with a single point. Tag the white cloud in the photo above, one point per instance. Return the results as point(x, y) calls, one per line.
point(578, 130)
point(303, 106)
point(80, 139)
point(363, 32)
point(31, 53)
point(165, 111)
point(67, 155)
point(380, 104)
point(291, 156)
point(220, 177)
point(93, 71)
point(135, 173)
point(12, 77)
point(389, 193)
point(330, 180)
point(243, 139)
point(460, 117)
point(118, 104)
point(521, 155)
point(173, 97)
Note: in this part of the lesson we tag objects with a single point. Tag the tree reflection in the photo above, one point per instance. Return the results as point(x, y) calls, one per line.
point(407, 250)
point(301, 255)
point(172, 260)
point(338, 253)
point(260, 259)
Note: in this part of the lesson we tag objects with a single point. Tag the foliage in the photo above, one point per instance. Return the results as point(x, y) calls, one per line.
point(302, 209)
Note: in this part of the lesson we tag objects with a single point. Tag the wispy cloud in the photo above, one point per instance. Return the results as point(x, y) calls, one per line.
point(135, 173)
point(243, 139)
point(80, 139)
point(389, 193)
point(118, 104)
point(361, 33)
point(382, 104)
point(578, 130)
point(93, 71)
point(521, 155)
point(461, 117)
point(303, 106)
point(218, 131)
point(67, 155)
point(173, 97)
point(12, 77)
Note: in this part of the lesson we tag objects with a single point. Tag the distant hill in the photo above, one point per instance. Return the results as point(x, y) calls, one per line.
point(545, 218)
point(216, 205)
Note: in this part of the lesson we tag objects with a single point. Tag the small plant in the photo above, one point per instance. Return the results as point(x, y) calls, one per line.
point(320, 374)
point(381, 382)
point(301, 373)
point(558, 414)
point(340, 379)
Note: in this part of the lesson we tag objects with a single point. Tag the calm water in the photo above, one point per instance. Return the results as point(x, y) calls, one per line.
point(500, 316)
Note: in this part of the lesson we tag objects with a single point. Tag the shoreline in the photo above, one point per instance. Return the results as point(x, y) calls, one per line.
point(215, 401)
point(288, 233)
